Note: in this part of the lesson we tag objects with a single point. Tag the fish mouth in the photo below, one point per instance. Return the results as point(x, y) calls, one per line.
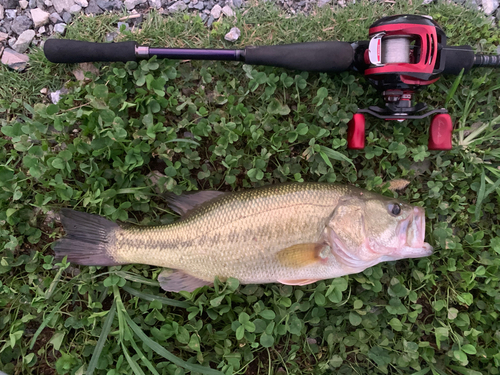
point(413, 230)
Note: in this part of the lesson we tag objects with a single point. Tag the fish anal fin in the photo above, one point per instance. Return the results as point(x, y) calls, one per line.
point(303, 254)
point(298, 282)
point(178, 280)
point(184, 203)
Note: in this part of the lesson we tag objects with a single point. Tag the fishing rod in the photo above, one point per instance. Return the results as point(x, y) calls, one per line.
point(404, 53)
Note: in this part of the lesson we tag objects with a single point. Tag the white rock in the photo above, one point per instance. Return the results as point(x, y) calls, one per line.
point(3, 37)
point(60, 28)
point(155, 4)
point(233, 35)
point(1, 12)
point(227, 11)
point(11, 13)
point(23, 3)
point(14, 60)
point(489, 6)
point(62, 5)
point(40, 17)
point(82, 3)
point(24, 41)
point(131, 4)
point(177, 6)
point(322, 3)
point(48, 3)
point(75, 8)
point(216, 11)
point(41, 30)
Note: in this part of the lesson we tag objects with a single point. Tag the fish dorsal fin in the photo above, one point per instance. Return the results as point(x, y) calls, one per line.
point(298, 282)
point(177, 280)
point(184, 203)
point(303, 254)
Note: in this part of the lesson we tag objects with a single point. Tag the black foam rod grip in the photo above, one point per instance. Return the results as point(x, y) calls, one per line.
point(76, 51)
point(328, 57)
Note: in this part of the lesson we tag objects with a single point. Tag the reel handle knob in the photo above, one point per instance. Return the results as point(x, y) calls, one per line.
point(356, 132)
point(440, 132)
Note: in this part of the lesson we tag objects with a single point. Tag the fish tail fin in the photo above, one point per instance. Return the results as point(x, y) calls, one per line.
point(90, 239)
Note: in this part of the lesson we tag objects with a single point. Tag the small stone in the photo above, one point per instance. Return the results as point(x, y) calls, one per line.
point(60, 28)
point(48, 3)
point(21, 23)
point(32, 4)
point(155, 4)
point(11, 13)
point(66, 16)
point(93, 8)
point(131, 4)
point(113, 5)
point(24, 41)
point(237, 3)
point(40, 17)
point(427, 2)
point(4, 36)
point(489, 6)
point(14, 60)
point(41, 30)
point(111, 36)
point(228, 11)
point(10, 4)
point(44, 91)
point(55, 18)
point(62, 5)
point(204, 17)
point(210, 21)
point(1, 12)
point(322, 3)
point(75, 8)
point(233, 35)
point(24, 4)
point(82, 3)
point(177, 6)
point(498, 50)
point(199, 6)
point(127, 27)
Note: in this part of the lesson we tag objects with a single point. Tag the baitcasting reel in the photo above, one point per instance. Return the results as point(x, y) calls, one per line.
point(404, 54)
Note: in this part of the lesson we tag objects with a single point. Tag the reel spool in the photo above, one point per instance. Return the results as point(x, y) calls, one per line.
point(396, 50)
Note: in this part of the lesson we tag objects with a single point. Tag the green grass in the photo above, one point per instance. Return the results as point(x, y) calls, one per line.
point(209, 125)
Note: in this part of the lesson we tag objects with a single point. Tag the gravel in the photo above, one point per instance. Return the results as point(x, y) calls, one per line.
point(25, 23)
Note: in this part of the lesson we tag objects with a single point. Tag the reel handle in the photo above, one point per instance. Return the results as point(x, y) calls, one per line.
point(326, 57)
point(76, 51)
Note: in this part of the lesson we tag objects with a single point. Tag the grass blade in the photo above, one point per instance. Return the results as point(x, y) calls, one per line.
point(453, 88)
point(151, 297)
point(133, 365)
point(480, 196)
point(48, 319)
point(143, 358)
point(106, 328)
point(136, 278)
point(332, 154)
point(153, 345)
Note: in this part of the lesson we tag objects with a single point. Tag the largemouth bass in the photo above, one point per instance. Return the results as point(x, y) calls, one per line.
point(293, 234)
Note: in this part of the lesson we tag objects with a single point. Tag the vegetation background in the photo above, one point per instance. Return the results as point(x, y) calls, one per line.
point(128, 132)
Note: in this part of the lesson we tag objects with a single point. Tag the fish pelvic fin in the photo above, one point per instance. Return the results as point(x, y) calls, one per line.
point(178, 280)
point(89, 239)
point(303, 254)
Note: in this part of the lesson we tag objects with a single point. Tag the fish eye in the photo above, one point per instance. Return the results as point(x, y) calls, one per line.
point(395, 209)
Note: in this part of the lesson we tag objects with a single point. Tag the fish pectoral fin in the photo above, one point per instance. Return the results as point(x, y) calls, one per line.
point(298, 282)
point(178, 280)
point(303, 254)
